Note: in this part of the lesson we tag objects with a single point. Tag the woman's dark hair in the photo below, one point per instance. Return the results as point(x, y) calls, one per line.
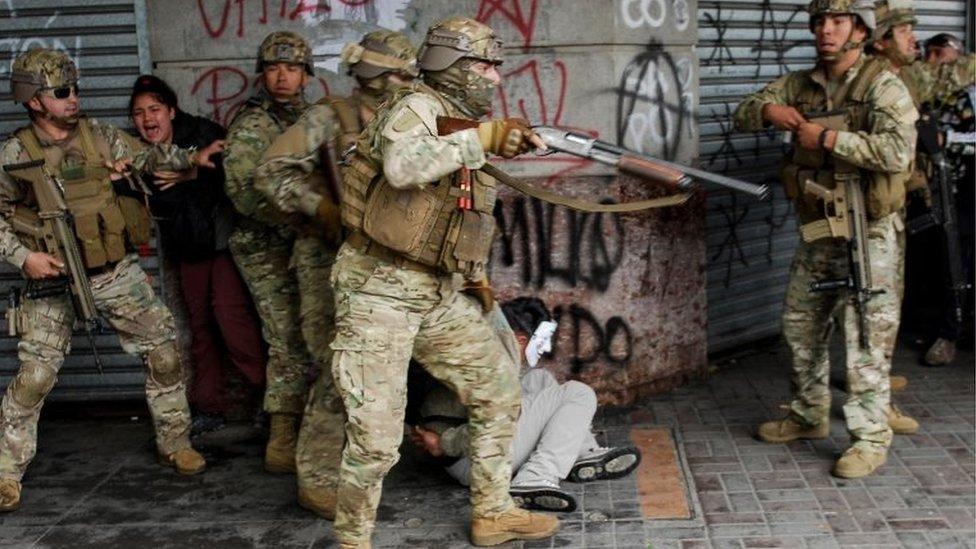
point(524, 314)
point(156, 87)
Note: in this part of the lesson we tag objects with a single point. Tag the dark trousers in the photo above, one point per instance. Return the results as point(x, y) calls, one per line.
point(220, 317)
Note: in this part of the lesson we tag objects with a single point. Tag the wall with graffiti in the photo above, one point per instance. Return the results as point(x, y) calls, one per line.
point(628, 290)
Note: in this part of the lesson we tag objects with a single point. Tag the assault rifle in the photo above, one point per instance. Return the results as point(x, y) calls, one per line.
point(638, 164)
point(942, 212)
point(52, 227)
point(846, 218)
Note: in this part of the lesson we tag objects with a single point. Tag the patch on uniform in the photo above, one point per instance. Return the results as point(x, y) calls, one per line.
point(406, 120)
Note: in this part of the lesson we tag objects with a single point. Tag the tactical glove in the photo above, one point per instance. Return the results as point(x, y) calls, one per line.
point(506, 137)
point(328, 215)
point(481, 290)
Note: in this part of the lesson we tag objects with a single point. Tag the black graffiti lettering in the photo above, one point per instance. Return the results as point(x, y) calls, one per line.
point(591, 341)
point(589, 257)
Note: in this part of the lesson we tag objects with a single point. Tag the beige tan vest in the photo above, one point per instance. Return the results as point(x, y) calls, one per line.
point(108, 226)
point(423, 225)
point(885, 192)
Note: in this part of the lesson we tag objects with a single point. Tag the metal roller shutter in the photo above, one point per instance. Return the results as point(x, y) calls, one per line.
point(741, 47)
point(101, 36)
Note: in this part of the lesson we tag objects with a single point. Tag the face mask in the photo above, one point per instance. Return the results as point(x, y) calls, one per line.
point(540, 343)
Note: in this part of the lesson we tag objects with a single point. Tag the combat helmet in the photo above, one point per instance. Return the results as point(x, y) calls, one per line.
point(285, 47)
point(39, 69)
point(891, 13)
point(458, 38)
point(380, 52)
point(864, 9)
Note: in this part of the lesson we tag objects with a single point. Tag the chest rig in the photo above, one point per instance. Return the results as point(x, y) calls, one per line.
point(448, 225)
point(107, 225)
point(846, 110)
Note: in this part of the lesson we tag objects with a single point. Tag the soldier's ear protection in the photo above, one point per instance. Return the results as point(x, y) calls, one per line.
point(61, 92)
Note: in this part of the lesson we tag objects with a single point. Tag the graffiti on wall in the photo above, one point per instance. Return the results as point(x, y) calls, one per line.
point(12, 46)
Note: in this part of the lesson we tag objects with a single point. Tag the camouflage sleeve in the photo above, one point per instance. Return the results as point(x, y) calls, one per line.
point(283, 174)
point(455, 441)
point(145, 158)
point(889, 144)
point(748, 115)
point(249, 135)
point(413, 153)
point(11, 193)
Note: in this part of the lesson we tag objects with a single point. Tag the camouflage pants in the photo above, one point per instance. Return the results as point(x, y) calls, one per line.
point(322, 435)
point(384, 315)
point(262, 256)
point(145, 326)
point(807, 321)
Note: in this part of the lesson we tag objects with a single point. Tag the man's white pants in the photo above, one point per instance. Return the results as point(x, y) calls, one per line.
point(553, 430)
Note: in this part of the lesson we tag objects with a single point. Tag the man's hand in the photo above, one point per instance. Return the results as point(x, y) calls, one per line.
point(783, 117)
point(119, 168)
point(426, 441)
point(808, 136)
point(480, 290)
point(165, 179)
point(40, 265)
point(508, 137)
point(202, 157)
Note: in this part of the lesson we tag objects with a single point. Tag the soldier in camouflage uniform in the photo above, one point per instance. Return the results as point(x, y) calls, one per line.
point(420, 213)
point(263, 240)
point(109, 227)
point(295, 176)
point(875, 145)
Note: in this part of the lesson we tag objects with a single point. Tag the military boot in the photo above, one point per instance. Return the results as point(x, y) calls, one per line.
point(279, 456)
point(898, 383)
point(900, 423)
point(857, 462)
point(186, 461)
point(9, 495)
point(788, 430)
point(512, 524)
point(321, 501)
point(941, 352)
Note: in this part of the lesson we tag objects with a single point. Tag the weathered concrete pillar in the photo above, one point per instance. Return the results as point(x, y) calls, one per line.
point(628, 290)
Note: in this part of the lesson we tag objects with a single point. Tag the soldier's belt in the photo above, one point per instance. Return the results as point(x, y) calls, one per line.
point(366, 246)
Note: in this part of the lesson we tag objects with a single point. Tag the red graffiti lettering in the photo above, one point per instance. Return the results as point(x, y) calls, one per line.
point(511, 10)
point(224, 16)
point(307, 6)
point(537, 108)
point(223, 89)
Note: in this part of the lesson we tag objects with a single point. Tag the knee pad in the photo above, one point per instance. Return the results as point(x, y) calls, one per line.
point(32, 383)
point(163, 363)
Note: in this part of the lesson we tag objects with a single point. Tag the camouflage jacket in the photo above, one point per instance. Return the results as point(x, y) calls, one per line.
point(252, 131)
point(119, 144)
point(938, 84)
point(283, 176)
point(887, 146)
point(412, 152)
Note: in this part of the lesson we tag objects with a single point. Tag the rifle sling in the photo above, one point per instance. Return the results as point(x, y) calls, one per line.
point(578, 204)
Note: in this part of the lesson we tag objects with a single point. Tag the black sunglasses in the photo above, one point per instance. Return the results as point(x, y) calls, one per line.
point(62, 92)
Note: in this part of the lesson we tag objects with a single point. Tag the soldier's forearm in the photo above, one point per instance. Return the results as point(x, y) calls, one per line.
point(415, 162)
point(887, 152)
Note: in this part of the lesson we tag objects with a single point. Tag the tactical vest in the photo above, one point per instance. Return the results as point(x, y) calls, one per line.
point(885, 192)
point(107, 225)
point(423, 225)
point(350, 126)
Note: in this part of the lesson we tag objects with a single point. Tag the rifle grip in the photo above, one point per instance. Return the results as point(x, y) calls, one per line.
point(655, 173)
point(447, 125)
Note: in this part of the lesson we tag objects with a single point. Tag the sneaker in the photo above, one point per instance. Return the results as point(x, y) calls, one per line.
point(857, 462)
point(941, 352)
point(204, 423)
point(543, 495)
point(512, 524)
point(605, 464)
point(788, 430)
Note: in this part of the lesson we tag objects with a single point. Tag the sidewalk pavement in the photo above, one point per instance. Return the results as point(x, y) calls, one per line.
point(95, 482)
